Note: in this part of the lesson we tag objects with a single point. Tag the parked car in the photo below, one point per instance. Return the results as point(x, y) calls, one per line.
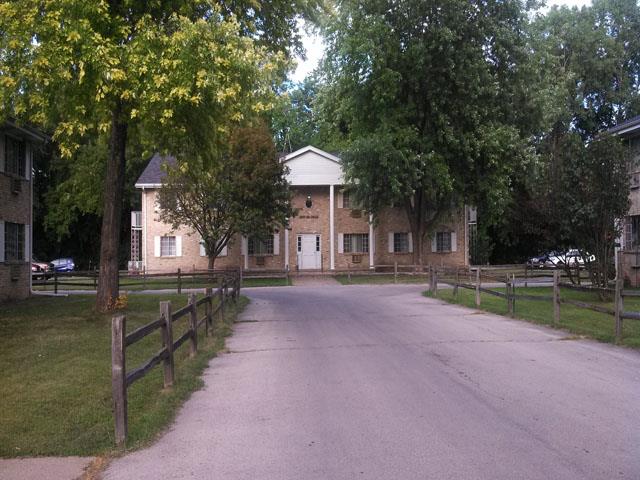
point(571, 257)
point(38, 268)
point(62, 265)
point(542, 259)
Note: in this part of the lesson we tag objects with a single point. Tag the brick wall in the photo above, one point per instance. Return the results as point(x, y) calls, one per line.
point(15, 208)
point(309, 220)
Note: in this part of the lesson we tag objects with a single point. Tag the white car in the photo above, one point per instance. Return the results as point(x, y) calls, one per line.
point(571, 257)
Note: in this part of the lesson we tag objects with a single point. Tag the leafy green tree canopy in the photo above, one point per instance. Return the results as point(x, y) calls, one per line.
point(241, 191)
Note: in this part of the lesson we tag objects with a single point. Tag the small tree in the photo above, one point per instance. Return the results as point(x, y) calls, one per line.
point(593, 197)
point(241, 190)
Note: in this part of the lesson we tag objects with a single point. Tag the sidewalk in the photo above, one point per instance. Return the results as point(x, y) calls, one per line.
point(37, 468)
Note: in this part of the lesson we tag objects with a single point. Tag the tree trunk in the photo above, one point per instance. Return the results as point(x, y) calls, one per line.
point(108, 286)
point(212, 262)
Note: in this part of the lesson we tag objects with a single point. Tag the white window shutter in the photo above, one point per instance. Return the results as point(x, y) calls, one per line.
point(27, 243)
point(434, 242)
point(28, 155)
point(341, 243)
point(340, 198)
point(178, 246)
point(156, 246)
point(223, 252)
point(276, 244)
point(244, 245)
point(203, 252)
point(410, 241)
point(390, 242)
point(1, 241)
point(454, 242)
point(2, 167)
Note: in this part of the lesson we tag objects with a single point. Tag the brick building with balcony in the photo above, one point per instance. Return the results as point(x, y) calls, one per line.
point(330, 233)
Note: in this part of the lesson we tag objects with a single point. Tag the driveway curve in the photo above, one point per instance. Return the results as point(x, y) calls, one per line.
point(378, 382)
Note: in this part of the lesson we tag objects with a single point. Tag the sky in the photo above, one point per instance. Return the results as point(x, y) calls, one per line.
point(315, 48)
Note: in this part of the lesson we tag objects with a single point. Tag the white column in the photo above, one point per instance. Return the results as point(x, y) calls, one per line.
point(332, 254)
point(286, 248)
point(245, 248)
point(372, 242)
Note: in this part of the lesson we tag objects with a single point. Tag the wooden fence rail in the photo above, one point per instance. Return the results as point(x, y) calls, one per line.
point(228, 288)
point(451, 276)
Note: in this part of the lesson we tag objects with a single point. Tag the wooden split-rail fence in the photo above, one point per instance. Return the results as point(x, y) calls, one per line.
point(228, 289)
point(474, 279)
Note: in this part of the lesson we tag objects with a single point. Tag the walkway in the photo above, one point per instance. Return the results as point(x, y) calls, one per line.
point(379, 382)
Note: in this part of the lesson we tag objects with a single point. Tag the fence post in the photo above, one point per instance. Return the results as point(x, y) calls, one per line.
point(349, 272)
point(179, 282)
point(193, 325)
point(208, 306)
point(556, 297)
point(435, 282)
point(55, 282)
point(167, 342)
point(395, 272)
point(619, 302)
point(221, 292)
point(478, 287)
point(526, 275)
point(455, 285)
point(95, 280)
point(508, 288)
point(144, 277)
point(239, 284)
point(119, 377)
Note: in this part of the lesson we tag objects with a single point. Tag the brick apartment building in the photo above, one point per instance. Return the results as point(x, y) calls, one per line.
point(630, 245)
point(329, 233)
point(17, 147)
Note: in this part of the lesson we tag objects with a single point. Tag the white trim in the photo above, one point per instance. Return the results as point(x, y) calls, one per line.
point(143, 219)
point(434, 243)
point(340, 196)
point(372, 242)
point(286, 248)
point(156, 246)
point(390, 245)
point(454, 242)
point(148, 185)
point(310, 148)
point(1, 241)
point(245, 249)
point(341, 243)
point(332, 255)
point(276, 243)
point(178, 245)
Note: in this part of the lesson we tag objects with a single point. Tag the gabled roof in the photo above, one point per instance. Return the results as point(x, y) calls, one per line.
point(310, 148)
point(153, 174)
point(628, 128)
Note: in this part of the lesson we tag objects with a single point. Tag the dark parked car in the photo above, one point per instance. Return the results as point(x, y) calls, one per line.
point(62, 265)
point(543, 258)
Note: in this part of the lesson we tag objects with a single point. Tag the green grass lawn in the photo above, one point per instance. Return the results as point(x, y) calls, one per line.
point(156, 283)
point(56, 382)
point(573, 319)
point(380, 279)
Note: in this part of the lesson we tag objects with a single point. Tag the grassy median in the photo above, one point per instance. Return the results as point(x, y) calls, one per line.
point(573, 319)
point(56, 381)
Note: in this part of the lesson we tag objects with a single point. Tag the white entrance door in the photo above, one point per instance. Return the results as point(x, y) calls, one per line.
point(309, 252)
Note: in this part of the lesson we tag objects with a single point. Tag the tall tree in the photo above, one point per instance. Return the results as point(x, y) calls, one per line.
point(294, 119)
point(242, 190)
point(428, 100)
point(181, 71)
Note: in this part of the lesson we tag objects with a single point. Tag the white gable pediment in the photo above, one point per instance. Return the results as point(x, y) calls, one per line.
point(312, 166)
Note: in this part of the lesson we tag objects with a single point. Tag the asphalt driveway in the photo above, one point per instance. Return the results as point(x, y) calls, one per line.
point(378, 382)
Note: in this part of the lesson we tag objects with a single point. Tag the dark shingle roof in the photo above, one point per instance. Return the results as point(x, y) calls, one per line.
point(628, 127)
point(153, 173)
